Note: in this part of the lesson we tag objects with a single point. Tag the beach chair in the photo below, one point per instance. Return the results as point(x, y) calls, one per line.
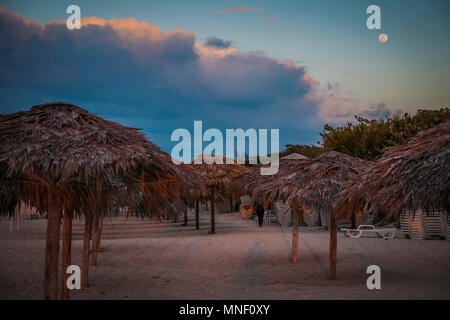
point(311, 217)
point(323, 218)
point(446, 225)
point(412, 224)
point(283, 211)
point(268, 216)
point(385, 233)
point(435, 224)
point(404, 223)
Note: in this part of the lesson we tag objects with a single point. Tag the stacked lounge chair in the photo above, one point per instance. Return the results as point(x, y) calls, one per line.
point(422, 224)
point(311, 217)
point(413, 224)
point(323, 218)
point(283, 212)
point(299, 211)
point(447, 225)
point(434, 223)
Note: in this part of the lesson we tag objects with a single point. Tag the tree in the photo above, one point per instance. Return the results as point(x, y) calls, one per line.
point(369, 139)
point(311, 151)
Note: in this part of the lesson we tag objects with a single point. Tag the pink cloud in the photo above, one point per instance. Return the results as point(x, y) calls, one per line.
point(240, 10)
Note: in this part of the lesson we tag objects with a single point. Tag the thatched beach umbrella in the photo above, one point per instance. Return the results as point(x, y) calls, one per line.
point(315, 182)
point(217, 175)
point(60, 158)
point(194, 194)
point(248, 181)
point(411, 176)
point(252, 180)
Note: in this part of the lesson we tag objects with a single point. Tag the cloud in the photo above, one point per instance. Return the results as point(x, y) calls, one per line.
point(133, 72)
point(217, 43)
point(337, 109)
point(240, 10)
point(377, 111)
point(270, 19)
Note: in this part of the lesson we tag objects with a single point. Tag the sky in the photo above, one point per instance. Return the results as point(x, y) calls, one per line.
point(290, 65)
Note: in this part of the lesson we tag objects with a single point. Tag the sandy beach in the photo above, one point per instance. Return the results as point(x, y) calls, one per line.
point(144, 260)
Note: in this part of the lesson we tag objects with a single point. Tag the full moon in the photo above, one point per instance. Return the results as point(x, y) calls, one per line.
point(383, 38)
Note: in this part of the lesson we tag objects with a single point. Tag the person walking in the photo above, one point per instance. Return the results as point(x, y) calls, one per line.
point(260, 213)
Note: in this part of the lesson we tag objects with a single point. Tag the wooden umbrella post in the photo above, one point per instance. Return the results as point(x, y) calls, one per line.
point(333, 246)
point(231, 204)
point(18, 220)
point(94, 250)
point(11, 221)
point(86, 245)
point(96, 240)
point(353, 220)
point(99, 239)
point(66, 253)
point(213, 218)
point(52, 248)
point(294, 213)
point(185, 222)
point(197, 218)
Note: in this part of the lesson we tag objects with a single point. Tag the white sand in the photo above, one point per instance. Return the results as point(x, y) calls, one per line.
point(241, 261)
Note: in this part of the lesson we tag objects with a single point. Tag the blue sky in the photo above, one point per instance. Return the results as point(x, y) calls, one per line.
point(340, 68)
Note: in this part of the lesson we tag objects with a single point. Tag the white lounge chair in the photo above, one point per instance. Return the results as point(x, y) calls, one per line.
point(386, 233)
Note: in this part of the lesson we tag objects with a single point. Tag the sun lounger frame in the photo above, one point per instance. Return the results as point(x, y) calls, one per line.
point(385, 233)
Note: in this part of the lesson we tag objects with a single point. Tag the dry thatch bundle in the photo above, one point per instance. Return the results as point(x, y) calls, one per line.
point(314, 182)
point(61, 145)
point(252, 179)
point(157, 207)
point(197, 188)
point(413, 175)
point(218, 175)
point(58, 157)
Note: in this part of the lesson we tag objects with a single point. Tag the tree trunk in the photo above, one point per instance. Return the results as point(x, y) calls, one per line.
point(231, 204)
point(52, 248)
point(66, 254)
point(294, 214)
point(213, 218)
point(197, 218)
point(11, 222)
point(353, 220)
point(86, 245)
point(95, 228)
point(333, 246)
